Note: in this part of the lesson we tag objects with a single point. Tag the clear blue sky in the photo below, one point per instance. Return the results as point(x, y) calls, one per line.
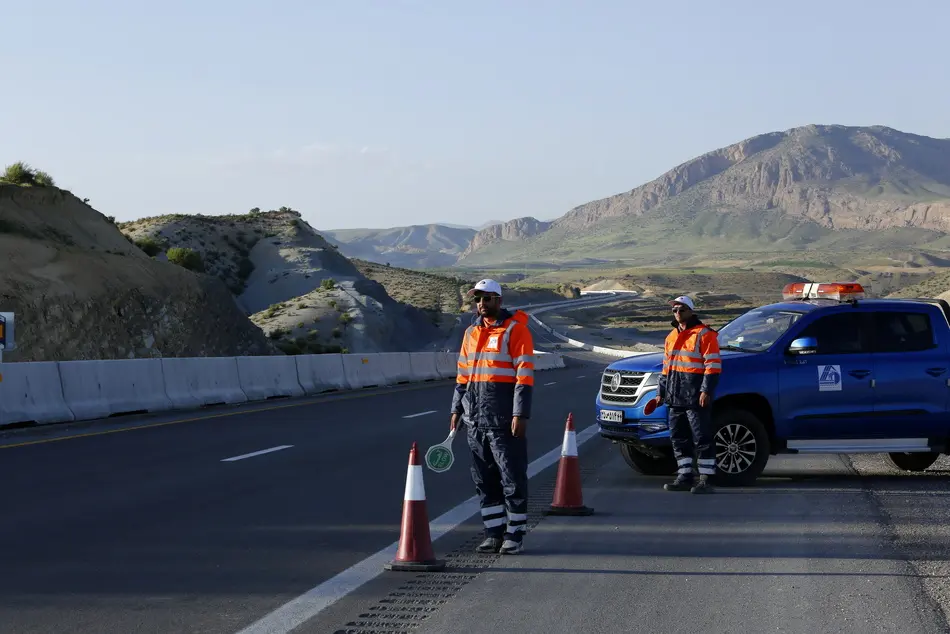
point(393, 112)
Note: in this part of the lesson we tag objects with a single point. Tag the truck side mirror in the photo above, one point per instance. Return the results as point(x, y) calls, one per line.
point(803, 345)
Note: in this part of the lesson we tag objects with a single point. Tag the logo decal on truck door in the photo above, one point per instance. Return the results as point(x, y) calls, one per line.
point(829, 378)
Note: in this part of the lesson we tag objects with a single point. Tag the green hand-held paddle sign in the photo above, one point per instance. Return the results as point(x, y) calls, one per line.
point(439, 457)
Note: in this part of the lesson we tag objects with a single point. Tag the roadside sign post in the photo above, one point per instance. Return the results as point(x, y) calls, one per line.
point(7, 342)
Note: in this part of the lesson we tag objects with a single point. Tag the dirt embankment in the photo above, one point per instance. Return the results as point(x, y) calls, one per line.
point(82, 290)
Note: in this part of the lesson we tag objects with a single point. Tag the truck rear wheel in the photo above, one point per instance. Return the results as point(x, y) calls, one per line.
point(647, 465)
point(742, 447)
point(913, 461)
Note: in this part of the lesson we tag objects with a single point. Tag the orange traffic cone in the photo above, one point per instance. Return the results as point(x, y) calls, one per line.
point(415, 552)
point(568, 499)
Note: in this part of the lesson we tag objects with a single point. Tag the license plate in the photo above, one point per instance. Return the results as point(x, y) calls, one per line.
point(611, 415)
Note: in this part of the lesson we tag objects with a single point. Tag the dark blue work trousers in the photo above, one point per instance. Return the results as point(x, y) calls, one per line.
point(500, 473)
point(691, 435)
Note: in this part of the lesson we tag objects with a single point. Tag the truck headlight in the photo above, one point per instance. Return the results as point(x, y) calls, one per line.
point(652, 379)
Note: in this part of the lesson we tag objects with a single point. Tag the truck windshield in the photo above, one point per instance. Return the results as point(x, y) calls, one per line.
point(757, 329)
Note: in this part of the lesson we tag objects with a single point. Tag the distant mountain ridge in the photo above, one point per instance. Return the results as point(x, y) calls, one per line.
point(415, 246)
point(817, 186)
point(516, 230)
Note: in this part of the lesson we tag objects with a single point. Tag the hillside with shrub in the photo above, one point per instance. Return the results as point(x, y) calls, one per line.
point(296, 286)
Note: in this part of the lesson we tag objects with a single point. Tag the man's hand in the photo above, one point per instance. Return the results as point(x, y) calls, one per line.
point(703, 399)
point(517, 427)
point(453, 423)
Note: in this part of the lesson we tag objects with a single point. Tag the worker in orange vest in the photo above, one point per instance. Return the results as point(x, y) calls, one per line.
point(691, 370)
point(492, 398)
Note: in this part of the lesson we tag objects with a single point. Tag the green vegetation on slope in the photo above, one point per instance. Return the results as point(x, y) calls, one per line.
point(20, 173)
point(933, 286)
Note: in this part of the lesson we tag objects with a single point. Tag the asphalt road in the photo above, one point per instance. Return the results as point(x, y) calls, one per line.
point(151, 530)
point(142, 525)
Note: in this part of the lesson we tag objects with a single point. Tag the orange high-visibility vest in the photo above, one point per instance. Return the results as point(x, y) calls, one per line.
point(495, 375)
point(691, 364)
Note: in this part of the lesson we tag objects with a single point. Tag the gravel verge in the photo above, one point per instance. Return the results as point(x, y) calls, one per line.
point(916, 508)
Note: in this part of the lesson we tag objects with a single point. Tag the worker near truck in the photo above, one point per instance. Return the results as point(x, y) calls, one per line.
point(687, 384)
point(492, 397)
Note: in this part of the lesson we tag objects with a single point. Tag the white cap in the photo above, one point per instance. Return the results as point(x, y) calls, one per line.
point(486, 286)
point(682, 299)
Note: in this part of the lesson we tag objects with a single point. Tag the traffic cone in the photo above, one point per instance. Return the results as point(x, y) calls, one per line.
point(568, 499)
point(415, 552)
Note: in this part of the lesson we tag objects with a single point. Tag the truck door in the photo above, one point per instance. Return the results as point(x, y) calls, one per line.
point(911, 369)
point(829, 394)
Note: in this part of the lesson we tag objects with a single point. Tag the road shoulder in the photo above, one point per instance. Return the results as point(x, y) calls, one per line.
point(915, 508)
point(805, 554)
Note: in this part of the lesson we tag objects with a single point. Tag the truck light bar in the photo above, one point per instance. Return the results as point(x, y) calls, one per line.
point(836, 290)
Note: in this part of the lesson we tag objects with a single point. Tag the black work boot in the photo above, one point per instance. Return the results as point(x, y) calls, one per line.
point(683, 482)
point(703, 486)
point(490, 545)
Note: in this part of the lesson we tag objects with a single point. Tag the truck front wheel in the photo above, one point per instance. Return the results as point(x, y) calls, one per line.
point(647, 465)
point(913, 461)
point(742, 447)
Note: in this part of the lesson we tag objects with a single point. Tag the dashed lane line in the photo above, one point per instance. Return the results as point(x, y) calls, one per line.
point(551, 383)
point(257, 453)
point(417, 414)
point(311, 603)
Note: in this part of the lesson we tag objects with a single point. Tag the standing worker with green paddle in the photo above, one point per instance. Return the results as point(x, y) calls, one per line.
point(492, 397)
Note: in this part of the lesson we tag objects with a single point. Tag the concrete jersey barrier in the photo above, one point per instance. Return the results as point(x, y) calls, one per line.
point(45, 392)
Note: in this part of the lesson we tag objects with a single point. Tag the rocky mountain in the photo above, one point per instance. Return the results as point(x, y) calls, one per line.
point(416, 246)
point(813, 187)
point(82, 290)
point(513, 231)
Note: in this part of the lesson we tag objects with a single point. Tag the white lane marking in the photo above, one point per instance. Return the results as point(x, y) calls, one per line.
point(311, 603)
point(551, 383)
point(431, 411)
point(257, 453)
point(582, 376)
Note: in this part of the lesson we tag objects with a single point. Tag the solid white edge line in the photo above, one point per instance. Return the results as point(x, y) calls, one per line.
point(257, 453)
point(311, 603)
point(431, 411)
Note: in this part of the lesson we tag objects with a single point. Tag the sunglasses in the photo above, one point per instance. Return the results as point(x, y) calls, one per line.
point(478, 299)
point(680, 309)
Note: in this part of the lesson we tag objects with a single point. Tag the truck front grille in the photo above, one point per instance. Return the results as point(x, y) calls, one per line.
point(624, 394)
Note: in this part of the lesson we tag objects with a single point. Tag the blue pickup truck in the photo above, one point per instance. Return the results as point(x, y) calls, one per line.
point(823, 371)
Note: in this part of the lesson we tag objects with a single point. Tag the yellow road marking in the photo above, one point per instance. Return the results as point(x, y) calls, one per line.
point(327, 398)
